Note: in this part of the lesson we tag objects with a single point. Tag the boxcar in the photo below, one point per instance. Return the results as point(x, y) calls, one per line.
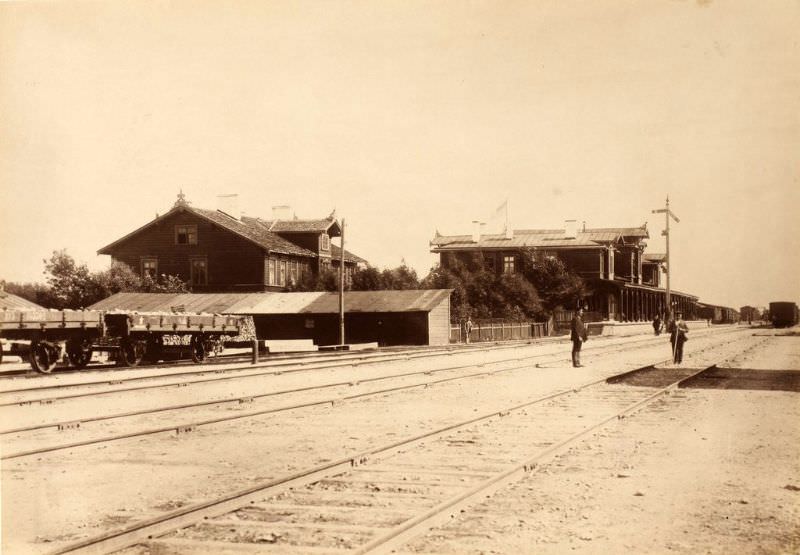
point(783, 314)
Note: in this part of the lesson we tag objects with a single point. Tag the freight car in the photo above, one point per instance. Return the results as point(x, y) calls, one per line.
point(129, 336)
point(783, 314)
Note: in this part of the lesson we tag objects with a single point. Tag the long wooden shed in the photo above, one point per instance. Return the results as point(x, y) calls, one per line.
point(409, 317)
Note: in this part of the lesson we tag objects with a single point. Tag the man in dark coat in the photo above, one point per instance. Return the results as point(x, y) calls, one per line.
point(578, 336)
point(677, 336)
point(657, 324)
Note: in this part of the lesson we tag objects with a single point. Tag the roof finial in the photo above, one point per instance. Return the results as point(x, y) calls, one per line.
point(332, 215)
point(181, 199)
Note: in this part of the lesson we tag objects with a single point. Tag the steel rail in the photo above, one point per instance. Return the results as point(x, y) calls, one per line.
point(447, 509)
point(147, 529)
point(74, 422)
point(250, 397)
point(187, 427)
point(339, 360)
point(47, 400)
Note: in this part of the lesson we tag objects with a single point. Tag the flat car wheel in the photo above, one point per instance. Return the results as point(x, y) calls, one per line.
point(198, 349)
point(40, 357)
point(130, 353)
point(79, 353)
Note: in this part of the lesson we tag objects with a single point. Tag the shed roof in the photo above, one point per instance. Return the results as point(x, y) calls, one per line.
point(540, 238)
point(9, 301)
point(415, 300)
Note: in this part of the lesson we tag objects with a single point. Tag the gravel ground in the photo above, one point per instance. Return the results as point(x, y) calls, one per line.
point(65, 496)
point(703, 471)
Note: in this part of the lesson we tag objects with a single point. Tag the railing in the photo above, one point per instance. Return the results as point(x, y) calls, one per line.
point(563, 319)
point(498, 330)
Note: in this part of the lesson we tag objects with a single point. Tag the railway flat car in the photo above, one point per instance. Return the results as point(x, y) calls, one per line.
point(783, 314)
point(129, 336)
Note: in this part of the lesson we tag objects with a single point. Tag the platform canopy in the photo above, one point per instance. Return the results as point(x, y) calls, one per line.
point(414, 300)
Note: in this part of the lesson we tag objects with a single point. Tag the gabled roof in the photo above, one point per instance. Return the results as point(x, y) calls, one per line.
point(247, 229)
point(414, 300)
point(9, 301)
point(336, 254)
point(328, 225)
point(250, 229)
point(539, 238)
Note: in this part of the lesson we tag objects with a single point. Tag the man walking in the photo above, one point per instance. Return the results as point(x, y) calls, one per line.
point(578, 336)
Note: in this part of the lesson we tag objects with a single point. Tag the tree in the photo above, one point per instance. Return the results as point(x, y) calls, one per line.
point(68, 281)
point(72, 285)
point(399, 278)
point(557, 285)
point(366, 279)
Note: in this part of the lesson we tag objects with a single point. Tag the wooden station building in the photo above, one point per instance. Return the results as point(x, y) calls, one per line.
point(624, 281)
point(224, 250)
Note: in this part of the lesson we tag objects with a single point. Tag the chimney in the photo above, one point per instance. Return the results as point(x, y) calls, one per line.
point(229, 204)
point(570, 229)
point(476, 230)
point(282, 212)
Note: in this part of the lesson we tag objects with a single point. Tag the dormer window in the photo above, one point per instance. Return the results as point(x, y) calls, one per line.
point(185, 234)
point(324, 242)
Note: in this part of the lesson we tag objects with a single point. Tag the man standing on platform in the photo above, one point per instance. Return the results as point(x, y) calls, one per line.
point(578, 337)
point(678, 331)
point(467, 329)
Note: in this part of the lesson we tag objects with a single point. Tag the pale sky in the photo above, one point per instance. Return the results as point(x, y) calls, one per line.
point(409, 117)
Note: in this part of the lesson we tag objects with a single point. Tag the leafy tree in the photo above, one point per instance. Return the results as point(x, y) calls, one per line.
point(541, 285)
point(399, 278)
point(72, 285)
point(367, 279)
point(556, 284)
point(69, 282)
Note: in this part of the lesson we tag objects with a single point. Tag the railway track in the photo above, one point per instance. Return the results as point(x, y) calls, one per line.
point(377, 500)
point(117, 384)
point(187, 426)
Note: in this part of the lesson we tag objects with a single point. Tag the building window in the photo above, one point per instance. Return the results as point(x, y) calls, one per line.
point(489, 262)
point(282, 276)
point(294, 271)
point(199, 271)
point(273, 273)
point(185, 234)
point(150, 267)
point(325, 242)
point(508, 265)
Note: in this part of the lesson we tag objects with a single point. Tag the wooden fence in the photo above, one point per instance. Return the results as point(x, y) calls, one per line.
point(498, 330)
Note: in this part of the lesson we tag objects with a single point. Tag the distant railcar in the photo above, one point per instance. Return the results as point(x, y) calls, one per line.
point(783, 314)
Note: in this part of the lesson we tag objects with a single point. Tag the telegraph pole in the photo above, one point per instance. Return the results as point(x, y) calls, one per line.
point(667, 215)
point(341, 291)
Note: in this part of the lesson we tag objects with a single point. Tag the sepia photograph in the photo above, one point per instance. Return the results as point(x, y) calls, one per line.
point(399, 276)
